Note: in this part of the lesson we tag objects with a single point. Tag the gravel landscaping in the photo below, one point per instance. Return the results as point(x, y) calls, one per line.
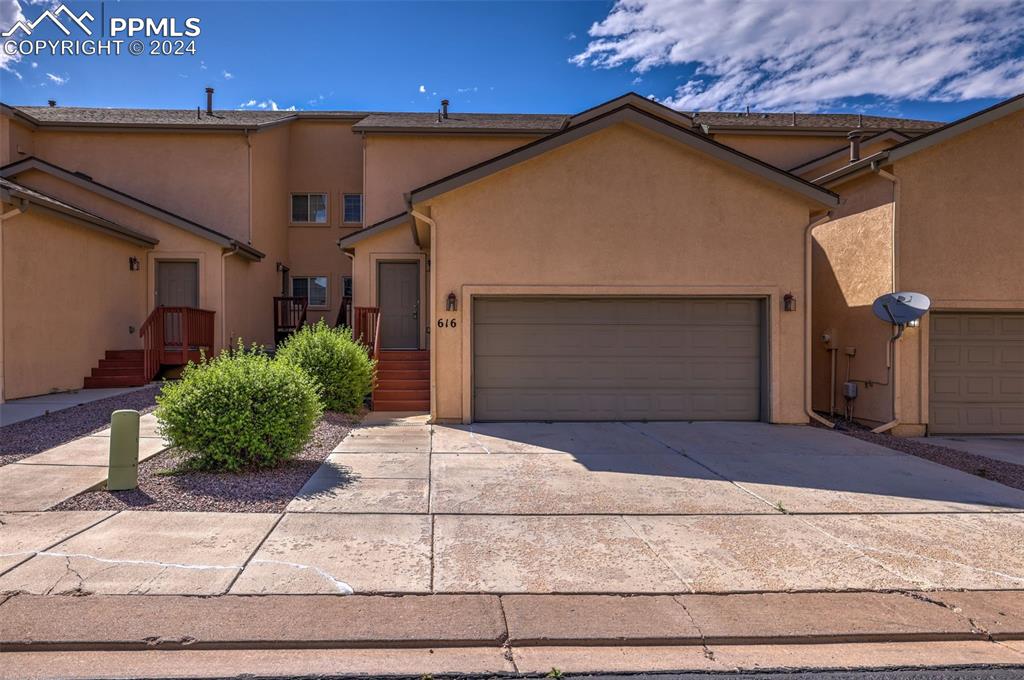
point(29, 437)
point(1000, 471)
point(160, 488)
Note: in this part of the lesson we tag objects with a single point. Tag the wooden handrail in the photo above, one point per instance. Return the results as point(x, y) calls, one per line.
point(289, 316)
point(366, 325)
point(376, 339)
point(171, 335)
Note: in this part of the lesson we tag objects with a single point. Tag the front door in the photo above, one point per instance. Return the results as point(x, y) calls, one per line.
point(399, 301)
point(177, 283)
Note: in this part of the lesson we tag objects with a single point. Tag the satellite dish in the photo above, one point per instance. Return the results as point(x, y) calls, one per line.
point(901, 308)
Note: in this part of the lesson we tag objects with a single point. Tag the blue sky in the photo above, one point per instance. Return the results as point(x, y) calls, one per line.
point(947, 60)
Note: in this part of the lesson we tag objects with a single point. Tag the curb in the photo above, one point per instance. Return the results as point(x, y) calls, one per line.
point(303, 622)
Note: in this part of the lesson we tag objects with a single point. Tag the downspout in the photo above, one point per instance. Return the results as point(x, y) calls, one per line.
point(808, 342)
point(432, 261)
point(891, 356)
point(224, 294)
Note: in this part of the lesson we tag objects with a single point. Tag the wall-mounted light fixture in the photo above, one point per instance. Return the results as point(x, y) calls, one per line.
point(453, 303)
point(133, 264)
point(789, 302)
point(914, 323)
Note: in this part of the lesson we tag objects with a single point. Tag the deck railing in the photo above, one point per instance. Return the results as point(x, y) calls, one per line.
point(173, 335)
point(289, 316)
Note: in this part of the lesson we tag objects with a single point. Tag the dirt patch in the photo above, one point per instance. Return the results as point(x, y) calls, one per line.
point(257, 491)
point(1000, 471)
point(29, 437)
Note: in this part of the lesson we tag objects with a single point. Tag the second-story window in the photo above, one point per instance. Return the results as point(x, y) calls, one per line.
point(354, 208)
point(309, 208)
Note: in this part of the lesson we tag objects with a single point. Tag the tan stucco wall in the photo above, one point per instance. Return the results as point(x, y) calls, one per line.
point(782, 151)
point(93, 287)
point(852, 265)
point(961, 234)
point(201, 176)
point(68, 296)
point(398, 163)
point(558, 224)
point(960, 240)
point(322, 157)
point(16, 140)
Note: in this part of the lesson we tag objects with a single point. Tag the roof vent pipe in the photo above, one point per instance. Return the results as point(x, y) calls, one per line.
point(52, 103)
point(854, 136)
point(209, 101)
point(444, 108)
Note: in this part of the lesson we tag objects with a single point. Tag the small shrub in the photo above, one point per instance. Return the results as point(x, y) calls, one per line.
point(239, 410)
point(339, 365)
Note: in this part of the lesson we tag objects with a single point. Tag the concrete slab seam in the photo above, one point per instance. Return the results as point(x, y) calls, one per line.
point(650, 547)
point(255, 550)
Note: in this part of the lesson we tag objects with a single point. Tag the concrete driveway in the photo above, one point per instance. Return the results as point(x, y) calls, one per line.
point(406, 507)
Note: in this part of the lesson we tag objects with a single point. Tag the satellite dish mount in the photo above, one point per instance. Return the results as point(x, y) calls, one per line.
point(901, 309)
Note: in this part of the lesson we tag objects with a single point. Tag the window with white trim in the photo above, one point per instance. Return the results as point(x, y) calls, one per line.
point(313, 288)
point(309, 208)
point(353, 208)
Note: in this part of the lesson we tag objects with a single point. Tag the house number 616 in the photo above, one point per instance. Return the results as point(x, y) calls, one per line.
point(446, 323)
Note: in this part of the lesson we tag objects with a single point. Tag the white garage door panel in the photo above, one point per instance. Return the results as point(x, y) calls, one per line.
point(615, 359)
point(976, 374)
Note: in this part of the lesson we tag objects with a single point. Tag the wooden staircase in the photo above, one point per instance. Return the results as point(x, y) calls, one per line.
point(119, 368)
point(403, 381)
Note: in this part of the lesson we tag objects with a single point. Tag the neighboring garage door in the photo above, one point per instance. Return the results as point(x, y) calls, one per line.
point(976, 377)
point(562, 358)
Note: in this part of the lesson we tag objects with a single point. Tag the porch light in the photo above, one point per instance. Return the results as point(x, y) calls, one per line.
point(133, 264)
point(789, 302)
point(453, 303)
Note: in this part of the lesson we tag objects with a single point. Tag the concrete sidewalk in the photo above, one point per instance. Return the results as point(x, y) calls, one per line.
point(42, 481)
point(17, 410)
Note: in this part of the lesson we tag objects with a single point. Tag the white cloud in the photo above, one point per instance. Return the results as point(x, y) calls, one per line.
point(10, 14)
point(266, 105)
point(35, 64)
point(464, 90)
point(806, 54)
point(227, 75)
point(423, 89)
point(202, 64)
point(570, 36)
point(56, 79)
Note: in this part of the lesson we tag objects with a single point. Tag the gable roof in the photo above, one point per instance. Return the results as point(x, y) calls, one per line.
point(86, 182)
point(926, 141)
point(27, 199)
point(171, 119)
point(627, 112)
point(376, 227)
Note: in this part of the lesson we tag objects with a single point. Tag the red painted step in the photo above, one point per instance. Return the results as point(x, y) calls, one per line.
point(403, 384)
point(114, 381)
point(136, 354)
point(420, 405)
point(114, 372)
point(403, 366)
point(403, 375)
point(405, 354)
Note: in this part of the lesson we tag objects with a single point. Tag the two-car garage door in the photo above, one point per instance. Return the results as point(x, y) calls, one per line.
point(570, 358)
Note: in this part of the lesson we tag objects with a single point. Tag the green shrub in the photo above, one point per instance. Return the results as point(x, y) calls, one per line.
point(339, 365)
point(239, 410)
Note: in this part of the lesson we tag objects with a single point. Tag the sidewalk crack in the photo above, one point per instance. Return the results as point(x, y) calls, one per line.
point(709, 653)
point(923, 597)
point(506, 644)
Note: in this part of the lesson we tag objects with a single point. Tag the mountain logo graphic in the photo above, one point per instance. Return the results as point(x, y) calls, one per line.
point(54, 16)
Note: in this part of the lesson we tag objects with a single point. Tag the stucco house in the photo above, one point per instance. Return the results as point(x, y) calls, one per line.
point(626, 262)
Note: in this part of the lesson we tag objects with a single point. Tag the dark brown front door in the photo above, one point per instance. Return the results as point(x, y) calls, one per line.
point(399, 300)
point(177, 283)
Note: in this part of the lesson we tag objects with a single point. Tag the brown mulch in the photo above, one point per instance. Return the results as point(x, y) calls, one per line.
point(29, 437)
point(162, 488)
point(1000, 471)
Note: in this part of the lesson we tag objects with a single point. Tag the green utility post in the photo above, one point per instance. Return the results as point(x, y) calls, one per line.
point(123, 471)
